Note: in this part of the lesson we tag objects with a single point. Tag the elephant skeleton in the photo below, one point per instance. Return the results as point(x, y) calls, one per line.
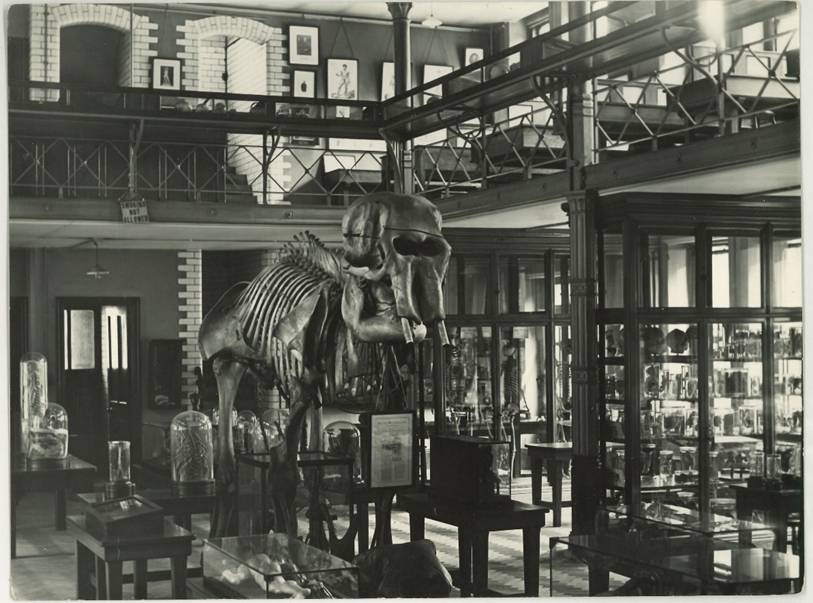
point(300, 324)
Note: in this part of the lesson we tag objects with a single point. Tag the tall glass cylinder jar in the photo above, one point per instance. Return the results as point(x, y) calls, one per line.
point(192, 452)
point(33, 392)
point(119, 459)
point(48, 435)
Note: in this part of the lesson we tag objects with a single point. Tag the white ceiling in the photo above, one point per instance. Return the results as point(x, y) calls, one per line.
point(474, 13)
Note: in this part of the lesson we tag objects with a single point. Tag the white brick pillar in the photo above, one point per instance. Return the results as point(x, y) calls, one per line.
point(190, 312)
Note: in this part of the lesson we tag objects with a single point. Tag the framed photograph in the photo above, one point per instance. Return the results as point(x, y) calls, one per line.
point(387, 80)
point(303, 45)
point(166, 74)
point(473, 55)
point(304, 85)
point(342, 79)
point(389, 449)
point(430, 74)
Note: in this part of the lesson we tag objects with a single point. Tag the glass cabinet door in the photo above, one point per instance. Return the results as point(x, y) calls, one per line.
point(787, 390)
point(735, 407)
point(612, 424)
point(669, 409)
point(562, 386)
point(469, 400)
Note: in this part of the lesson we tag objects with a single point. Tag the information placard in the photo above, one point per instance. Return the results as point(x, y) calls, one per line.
point(392, 450)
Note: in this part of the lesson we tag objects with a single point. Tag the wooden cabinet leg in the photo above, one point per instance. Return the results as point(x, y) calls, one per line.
point(465, 561)
point(536, 481)
point(530, 560)
point(60, 504)
point(101, 579)
point(114, 580)
point(363, 514)
point(84, 568)
point(417, 527)
point(556, 486)
point(140, 579)
point(479, 555)
point(179, 577)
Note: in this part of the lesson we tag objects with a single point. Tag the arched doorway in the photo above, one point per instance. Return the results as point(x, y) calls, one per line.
point(81, 43)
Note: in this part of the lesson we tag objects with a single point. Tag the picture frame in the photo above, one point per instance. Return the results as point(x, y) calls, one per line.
point(164, 373)
point(304, 83)
point(430, 74)
point(389, 449)
point(342, 79)
point(166, 73)
point(387, 80)
point(303, 45)
point(473, 55)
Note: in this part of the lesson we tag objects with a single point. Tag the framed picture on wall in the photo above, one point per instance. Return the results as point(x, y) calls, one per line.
point(473, 55)
point(342, 83)
point(303, 45)
point(387, 80)
point(430, 74)
point(304, 85)
point(166, 74)
point(165, 373)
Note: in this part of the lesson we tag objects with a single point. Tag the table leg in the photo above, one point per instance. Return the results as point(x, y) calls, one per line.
point(101, 579)
point(464, 542)
point(363, 514)
point(140, 579)
point(179, 577)
point(536, 481)
point(114, 580)
point(479, 554)
point(555, 477)
point(417, 527)
point(780, 520)
point(84, 567)
point(530, 560)
point(598, 580)
point(60, 509)
point(744, 512)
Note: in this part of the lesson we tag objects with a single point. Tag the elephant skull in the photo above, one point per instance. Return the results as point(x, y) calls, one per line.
point(397, 258)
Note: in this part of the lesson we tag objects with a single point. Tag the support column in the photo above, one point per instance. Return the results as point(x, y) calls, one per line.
point(585, 474)
point(38, 316)
point(402, 51)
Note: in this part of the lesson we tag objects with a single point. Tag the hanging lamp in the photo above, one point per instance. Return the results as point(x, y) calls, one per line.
point(97, 271)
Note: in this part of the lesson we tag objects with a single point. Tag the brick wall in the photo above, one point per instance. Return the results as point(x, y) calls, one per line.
point(47, 21)
point(202, 43)
point(190, 312)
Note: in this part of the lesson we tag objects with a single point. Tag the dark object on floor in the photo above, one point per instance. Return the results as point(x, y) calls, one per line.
point(411, 569)
point(648, 586)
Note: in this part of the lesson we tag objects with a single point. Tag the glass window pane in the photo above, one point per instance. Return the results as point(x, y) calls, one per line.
point(521, 284)
point(475, 284)
point(469, 398)
point(787, 390)
point(613, 271)
point(562, 385)
point(561, 283)
point(735, 272)
point(787, 273)
point(671, 267)
point(82, 341)
point(450, 287)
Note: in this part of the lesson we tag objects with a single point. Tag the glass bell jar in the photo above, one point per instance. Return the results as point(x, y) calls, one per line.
point(192, 453)
point(33, 392)
point(119, 485)
point(48, 435)
point(274, 422)
point(247, 434)
point(343, 439)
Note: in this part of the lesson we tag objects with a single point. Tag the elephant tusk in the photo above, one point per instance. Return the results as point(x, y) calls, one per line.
point(444, 336)
point(405, 326)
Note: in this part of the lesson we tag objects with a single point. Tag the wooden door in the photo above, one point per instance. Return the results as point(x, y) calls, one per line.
point(98, 374)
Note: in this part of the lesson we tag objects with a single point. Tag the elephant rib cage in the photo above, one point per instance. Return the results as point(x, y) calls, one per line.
point(271, 296)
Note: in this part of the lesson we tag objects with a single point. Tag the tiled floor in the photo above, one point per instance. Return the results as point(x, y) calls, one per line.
point(44, 569)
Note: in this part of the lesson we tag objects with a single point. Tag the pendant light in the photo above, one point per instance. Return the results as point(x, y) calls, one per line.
point(432, 21)
point(97, 271)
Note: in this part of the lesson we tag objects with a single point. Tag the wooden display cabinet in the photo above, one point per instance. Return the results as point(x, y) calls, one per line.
point(508, 321)
point(699, 311)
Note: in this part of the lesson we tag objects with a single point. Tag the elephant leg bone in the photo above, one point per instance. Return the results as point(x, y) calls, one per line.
point(228, 373)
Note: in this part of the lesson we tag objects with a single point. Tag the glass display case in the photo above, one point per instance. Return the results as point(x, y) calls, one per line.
point(33, 392)
point(192, 452)
point(506, 372)
point(48, 435)
point(710, 394)
point(273, 566)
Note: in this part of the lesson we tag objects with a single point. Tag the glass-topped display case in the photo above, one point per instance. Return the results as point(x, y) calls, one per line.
point(707, 288)
point(272, 566)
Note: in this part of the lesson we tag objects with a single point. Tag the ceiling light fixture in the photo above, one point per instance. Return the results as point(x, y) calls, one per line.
point(97, 271)
point(432, 21)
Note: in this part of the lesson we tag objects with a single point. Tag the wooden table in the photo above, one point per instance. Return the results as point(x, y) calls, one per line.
point(58, 476)
point(179, 506)
point(776, 504)
point(104, 559)
point(554, 455)
point(473, 526)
